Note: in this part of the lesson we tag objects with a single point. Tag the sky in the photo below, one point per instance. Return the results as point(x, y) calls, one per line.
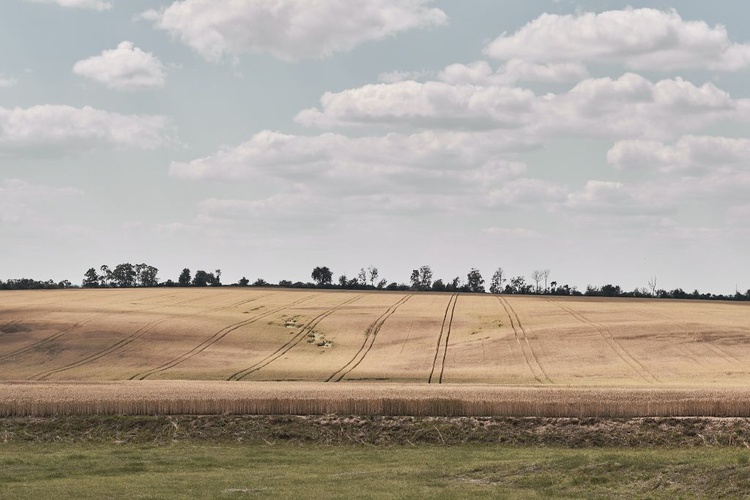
point(606, 141)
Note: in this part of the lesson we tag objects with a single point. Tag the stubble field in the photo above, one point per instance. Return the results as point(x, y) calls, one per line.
point(389, 352)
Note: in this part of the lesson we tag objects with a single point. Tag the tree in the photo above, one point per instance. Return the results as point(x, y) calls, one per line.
point(90, 279)
point(217, 278)
point(438, 286)
point(124, 275)
point(362, 277)
point(322, 275)
point(243, 281)
point(147, 275)
point(382, 284)
point(105, 279)
point(518, 285)
point(496, 284)
point(474, 281)
point(537, 276)
point(184, 279)
point(343, 281)
point(421, 279)
point(545, 275)
point(652, 286)
point(202, 278)
point(373, 272)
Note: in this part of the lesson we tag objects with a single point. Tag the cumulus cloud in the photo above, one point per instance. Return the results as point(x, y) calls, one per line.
point(81, 4)
point(66, 128)
point(638, 38)
point(289, 29)
point(19, 199)
point(430, 104)
point(614, 198)
point(125, 68)
point(630, 106)
point(515, 70)
point(690, 154)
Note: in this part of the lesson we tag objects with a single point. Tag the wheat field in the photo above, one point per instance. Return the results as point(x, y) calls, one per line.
point(247, 337)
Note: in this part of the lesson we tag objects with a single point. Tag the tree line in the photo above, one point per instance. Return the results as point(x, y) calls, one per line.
point(127, 275)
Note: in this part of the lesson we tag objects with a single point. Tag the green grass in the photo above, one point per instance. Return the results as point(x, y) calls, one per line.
point(183, 470)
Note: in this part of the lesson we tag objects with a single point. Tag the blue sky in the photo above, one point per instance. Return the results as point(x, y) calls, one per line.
point(606, 141)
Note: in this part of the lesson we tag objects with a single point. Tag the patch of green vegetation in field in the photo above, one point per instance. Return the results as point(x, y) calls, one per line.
point(309, 471)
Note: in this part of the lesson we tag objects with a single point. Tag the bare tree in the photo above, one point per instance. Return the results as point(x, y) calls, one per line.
point(652, 286)
point(545, 274)
point(536, 277)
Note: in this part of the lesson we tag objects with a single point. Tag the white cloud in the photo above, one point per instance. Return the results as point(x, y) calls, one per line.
point(430, 104)
point(690, 154)
point(125, 68)
point(7, 82)
point(82, 4)
point(513, 71)
point(606, 198)
point(638, 38)
point(59, 127)
point(401, 76)
point(19, 199)
point(289, 29)
point(629, 106)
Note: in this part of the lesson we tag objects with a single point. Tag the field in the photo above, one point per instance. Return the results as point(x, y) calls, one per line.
point(381, 352)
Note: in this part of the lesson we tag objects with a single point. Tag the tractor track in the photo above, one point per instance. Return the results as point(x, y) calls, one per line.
point(370, 335)
point(132, 338)
point(213, 339)
point(55, 336)
point(604, 332)
point(291, 343)
point(523, 340)
point(449, 322)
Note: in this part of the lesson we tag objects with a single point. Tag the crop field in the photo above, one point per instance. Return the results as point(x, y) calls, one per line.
point(376, 341)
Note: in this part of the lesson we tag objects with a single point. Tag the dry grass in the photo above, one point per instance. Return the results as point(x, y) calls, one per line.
point(675, 357)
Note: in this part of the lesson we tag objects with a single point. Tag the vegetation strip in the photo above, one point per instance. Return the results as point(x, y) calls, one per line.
point(385, 399)
point(375, 430)
point(370, 336)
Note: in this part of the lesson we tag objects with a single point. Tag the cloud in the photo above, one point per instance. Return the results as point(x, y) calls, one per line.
point(69, 129)
point(690, 154)
point(515, 70)
point(19, 199)
point(607, 198)
point(81, 4)
point(124, 68)
point(428, 105)
point(7, 82)
point(289, 29)
point(643, 39)
point(629, 106)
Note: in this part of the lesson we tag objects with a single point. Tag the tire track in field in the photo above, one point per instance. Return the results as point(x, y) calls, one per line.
point(291, 343)
point(55, 336)
point(446, 322)
point(216, 337)
point(532, 361)
point(606, 334)
point(132, 338)
point(370, 335)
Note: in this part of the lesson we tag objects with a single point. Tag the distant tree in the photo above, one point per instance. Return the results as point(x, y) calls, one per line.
point(90, 279)
point(454, 285)
point(286, 284)
point(217, 278)
point(373, 272)
point(496, 284)
point(184, 279)
point(421, 279)
point(105, 279)
point(322, 275)
point(65, 284)
point(474, 281)
point(382, 284)
point(438, 285)
point(343, 281)
point(518, 285)
point(124, 275)
point(362, 277)
point(147, 275)
point(610, 290)
point(202, 278)
point(243, 281)
point(652, 286)
point(536, 277)
point(545, 275)
point(261, 282)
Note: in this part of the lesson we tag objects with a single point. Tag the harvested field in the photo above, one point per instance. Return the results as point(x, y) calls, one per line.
point(453, 354)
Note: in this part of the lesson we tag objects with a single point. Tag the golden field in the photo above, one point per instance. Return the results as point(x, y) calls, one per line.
point(574, 349)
